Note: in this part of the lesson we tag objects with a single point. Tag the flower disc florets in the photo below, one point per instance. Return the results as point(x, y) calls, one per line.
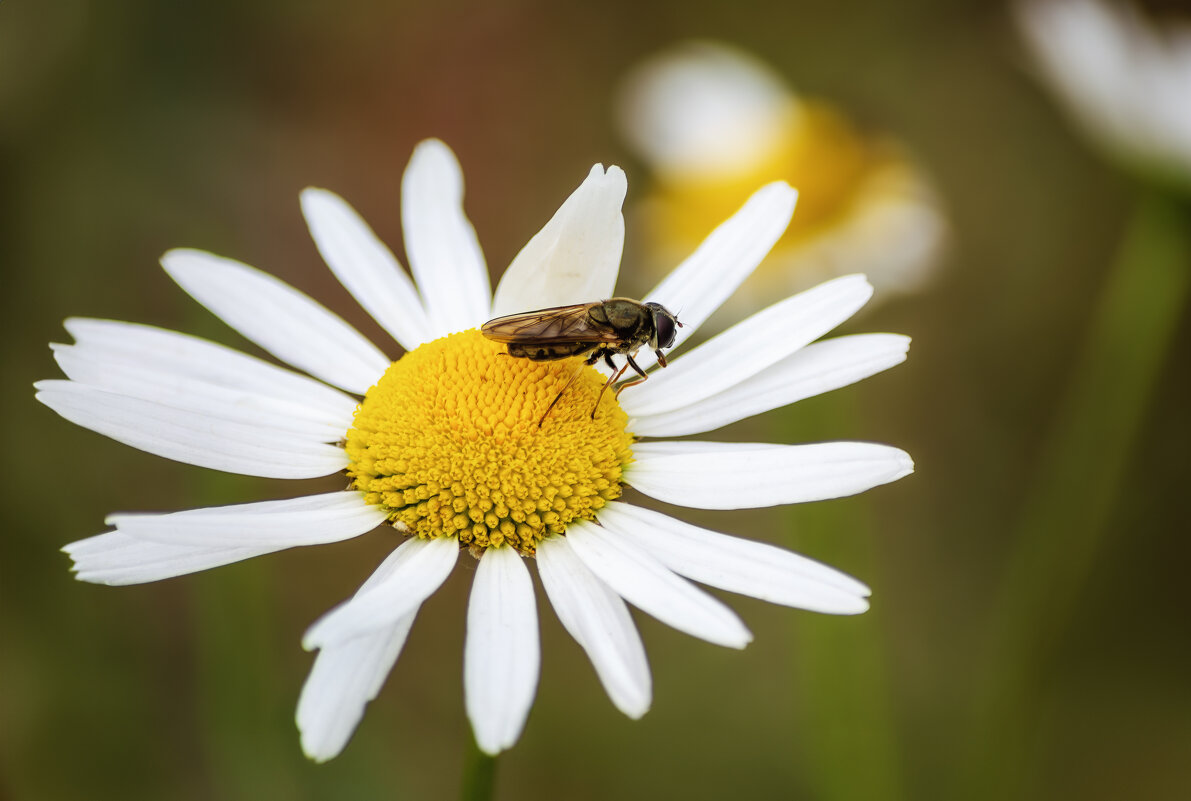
point(448, 443)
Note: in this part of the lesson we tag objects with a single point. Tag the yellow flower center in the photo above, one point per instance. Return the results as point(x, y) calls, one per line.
point(448, 443)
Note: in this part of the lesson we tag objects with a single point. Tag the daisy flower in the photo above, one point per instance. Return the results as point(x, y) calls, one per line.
point(712, 123)
point(1126, 82)
point(444, 444)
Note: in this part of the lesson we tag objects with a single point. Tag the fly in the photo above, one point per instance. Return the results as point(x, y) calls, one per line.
point(596, 330)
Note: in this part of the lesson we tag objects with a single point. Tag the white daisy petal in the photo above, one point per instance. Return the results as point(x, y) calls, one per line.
point(750, 346)
point(144, 381)
point(814, 370)
point(279, 318)
point(600, 622)
point(149, 547)
point(347, 675)
point(501, 657)
point(441, 243)
point(366, 267)
point(737, 565)
point(668, 447)
point(309, 520)
point(189, 437)
point(699, 285)
point(419, 568)
point(118, 559)
point(724, 475)
point(170, 353)
point(643, 581)
point(576, 256)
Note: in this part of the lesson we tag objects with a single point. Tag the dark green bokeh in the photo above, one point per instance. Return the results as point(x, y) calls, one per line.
point(127, 128)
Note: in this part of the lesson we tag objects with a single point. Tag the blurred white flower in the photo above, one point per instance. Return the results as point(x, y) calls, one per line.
point(1125, 81)
point(711, 122)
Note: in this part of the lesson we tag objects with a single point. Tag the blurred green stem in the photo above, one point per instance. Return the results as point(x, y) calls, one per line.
point(847, 716)
point(1065, 517)
point(235, 621)
point(479, 773)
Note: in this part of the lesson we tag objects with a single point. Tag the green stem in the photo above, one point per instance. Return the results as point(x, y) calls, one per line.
point(1064, 522)
point(844, 699)
point(478, 774)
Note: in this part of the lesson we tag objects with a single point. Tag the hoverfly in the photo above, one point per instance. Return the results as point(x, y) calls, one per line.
point(597, 330)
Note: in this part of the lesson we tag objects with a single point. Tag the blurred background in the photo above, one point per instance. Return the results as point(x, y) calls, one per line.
point(128, 127)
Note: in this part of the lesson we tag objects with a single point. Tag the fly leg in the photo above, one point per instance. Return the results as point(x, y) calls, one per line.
point(635, 381)
point(590, 360)
point(612, 379)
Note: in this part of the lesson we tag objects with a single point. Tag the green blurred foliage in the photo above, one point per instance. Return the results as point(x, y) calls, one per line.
point(128, 127)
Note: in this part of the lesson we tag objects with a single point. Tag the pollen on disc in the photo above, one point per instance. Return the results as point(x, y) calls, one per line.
point(449, 443)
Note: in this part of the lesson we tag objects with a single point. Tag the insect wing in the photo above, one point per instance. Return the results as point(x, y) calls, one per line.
point(561, 324)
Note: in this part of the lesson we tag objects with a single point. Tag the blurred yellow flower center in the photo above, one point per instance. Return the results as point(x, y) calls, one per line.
point(832, 165)
point(448, 443)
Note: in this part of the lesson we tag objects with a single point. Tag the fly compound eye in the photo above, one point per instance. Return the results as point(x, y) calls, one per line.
point(663, 321)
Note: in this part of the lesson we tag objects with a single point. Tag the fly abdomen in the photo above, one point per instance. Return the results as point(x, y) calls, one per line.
point(547, 353)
